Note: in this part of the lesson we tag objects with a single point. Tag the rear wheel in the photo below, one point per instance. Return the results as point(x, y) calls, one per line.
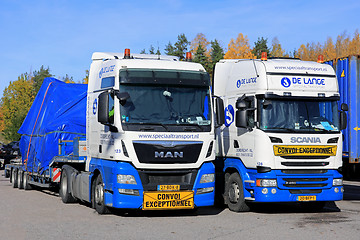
point(234, 194)
point(64, 191)
point(26, 184)
point(7, 173)
point(20, 179)
point(99, 196)
point(14, 176)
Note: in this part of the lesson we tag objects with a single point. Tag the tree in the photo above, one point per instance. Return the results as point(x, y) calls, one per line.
point(158, 52)
point(260, 46)
point(276, 49)
point(39, 77)
point(216, 53)
point(239, 48)
point(15, 103)
point(68, 79)
point(151, 49)
point(201, 58)
point(143, 51)
point(354, 46)
point(200, 38)
point(181, 46)
point(170, 49)
point(342, 45)
point(86, 78)
point(329, 50)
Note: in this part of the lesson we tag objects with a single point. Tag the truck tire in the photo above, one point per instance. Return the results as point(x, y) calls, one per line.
point(26, 184)
point(20, 179)
point(65, 182)
point(99, 196)
point(14, 176)
point(7, 173)
point(234, 194)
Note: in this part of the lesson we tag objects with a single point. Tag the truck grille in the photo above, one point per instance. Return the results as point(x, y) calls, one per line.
point(306, 183)
point(305, 164)
point(151, 179)
point(167, 152)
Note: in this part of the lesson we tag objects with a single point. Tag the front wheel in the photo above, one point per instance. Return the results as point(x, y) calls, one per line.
point(99, 196)
point(234, 194)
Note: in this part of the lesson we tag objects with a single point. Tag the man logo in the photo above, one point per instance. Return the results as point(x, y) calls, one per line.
point(169, 154)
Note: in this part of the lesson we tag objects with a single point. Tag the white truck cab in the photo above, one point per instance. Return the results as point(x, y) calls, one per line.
point(281, 141)
point(150, 132)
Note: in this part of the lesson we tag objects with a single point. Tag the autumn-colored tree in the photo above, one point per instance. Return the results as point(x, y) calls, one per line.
point(86, 78)
point(276, 49)
point(309, 52)
point(200, 39)
point(342, 45)
point(239, 48)
point(354, 46)
point(329, 51)
point(15, 103)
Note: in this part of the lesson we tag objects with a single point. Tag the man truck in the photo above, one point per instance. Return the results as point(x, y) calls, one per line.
point(139, 136)
point(281, 141)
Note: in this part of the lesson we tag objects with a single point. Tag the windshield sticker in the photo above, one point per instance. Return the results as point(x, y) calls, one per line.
point(297, 125)
point(327, 126)
point(229, 115)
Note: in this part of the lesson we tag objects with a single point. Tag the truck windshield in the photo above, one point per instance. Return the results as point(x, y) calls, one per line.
point(166, 108)
point(299, 116)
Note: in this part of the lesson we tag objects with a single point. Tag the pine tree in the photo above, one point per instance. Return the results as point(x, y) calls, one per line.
point(39, 77)
point(216, 53)
point(201, 58)
point(260, 47)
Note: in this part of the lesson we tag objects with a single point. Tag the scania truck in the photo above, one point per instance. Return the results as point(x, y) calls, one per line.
point(281, 141)
point(139, 136)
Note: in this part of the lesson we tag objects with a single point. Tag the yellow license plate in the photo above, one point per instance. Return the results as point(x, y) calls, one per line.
point(168, 200)
point(306, 198)
point(168, 187)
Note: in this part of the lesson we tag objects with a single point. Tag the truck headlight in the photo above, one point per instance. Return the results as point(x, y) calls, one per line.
point(337, 182)
point(207, 178)
point(266, 182)
point(126, 179)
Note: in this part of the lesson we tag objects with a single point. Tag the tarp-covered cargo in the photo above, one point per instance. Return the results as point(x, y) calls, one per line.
point(58, 112)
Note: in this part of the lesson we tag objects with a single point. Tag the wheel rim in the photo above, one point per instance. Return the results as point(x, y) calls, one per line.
point(19, 180)
point(99, 193)
point(234, 192)
point(24, 179)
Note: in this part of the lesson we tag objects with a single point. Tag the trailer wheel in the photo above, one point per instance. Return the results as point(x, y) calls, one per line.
point(64, 191)
point(26, 184)
point(7, 173)
point(234, 194)
point(20, 179)
point(99, 196)
point(14, 176)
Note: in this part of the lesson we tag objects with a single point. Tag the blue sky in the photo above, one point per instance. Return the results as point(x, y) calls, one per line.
point(63, 34)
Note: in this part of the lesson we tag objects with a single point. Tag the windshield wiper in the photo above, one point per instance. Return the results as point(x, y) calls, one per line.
point(191, 125)
point(279, 128)
point(151, 124)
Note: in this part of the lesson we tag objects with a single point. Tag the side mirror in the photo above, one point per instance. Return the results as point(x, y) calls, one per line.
point(343, 120)
point(240, 104)
point(122, 96)
point(103, 108)
point(241, 118)
point(220, 114)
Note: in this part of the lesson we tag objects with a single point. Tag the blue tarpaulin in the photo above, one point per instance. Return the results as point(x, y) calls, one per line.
point(58, 112)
